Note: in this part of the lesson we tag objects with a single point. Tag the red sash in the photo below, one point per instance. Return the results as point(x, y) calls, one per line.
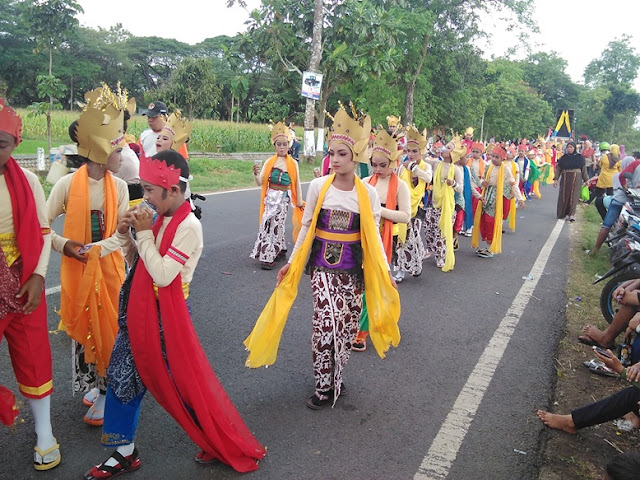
point(190, 391)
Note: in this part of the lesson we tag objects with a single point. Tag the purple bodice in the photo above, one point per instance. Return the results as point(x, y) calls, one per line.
point(336, 245)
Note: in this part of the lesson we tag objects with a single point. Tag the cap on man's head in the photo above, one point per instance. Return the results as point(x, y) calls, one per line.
point(155, 109)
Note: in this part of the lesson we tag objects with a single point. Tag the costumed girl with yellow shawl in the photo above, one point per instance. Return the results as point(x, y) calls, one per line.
point(280, 182)
point(92, 269)
point(340, 246)
point(416, 174)
point(509, 210)
point(396, 210)
point(448, 179)
point(498, 180)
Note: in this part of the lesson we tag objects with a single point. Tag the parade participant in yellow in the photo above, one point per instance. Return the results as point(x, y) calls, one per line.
point(448, 178)
point(416, 174)
point(509, 211)
point(340, 246)
point(396, 210)
point(280, 182)
point(92, 269)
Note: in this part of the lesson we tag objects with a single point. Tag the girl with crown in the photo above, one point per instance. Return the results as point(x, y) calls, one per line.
point(448, 179)
point(280, 182)
point(396, 210)
point(340, 246)
point(416, 174)
point(92, 268)
point(25, 244)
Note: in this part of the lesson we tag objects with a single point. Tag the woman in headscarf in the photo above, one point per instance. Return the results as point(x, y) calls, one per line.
point(609, 165)
point(571, 173)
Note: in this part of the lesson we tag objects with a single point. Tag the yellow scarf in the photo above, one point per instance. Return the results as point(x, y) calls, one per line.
point(444, 199)
point(496, 243)
point(416, 195)
point(383, 301)
point(296, 217)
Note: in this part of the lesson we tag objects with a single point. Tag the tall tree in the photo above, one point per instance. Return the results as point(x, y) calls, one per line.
point(618, 64)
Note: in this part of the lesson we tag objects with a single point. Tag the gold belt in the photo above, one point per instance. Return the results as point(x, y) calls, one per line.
point(337, 237)
point(185, 290)
point(9, 247)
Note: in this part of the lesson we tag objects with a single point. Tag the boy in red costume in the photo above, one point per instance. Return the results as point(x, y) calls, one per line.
point(25, 238)
point(157, 347)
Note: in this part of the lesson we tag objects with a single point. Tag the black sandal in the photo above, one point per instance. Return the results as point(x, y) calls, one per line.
point(124, 465)
point(315, 402)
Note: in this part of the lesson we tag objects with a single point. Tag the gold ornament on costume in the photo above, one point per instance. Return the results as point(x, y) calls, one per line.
point(414, 136)
point(459, 150)
point(279, 130)
point(393, 121)
point(352, 132)
point(469, 131)
point(100, 129)
point(179, 128)
point(386, 145)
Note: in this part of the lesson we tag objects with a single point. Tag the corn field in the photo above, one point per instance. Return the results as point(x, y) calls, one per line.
point(206, 136)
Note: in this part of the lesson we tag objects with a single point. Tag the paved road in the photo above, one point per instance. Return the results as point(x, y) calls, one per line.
point(395, 408)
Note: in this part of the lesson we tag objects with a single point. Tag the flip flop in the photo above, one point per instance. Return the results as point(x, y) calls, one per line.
point(599, 368)
point(39, 462)
point(587, 340)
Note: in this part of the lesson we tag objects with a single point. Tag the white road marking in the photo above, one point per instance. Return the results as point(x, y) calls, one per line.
point(444, 449)
point(52, 290)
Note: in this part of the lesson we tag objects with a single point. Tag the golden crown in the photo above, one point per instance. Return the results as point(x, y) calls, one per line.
point(393, 121)
point(179, 128)
point(469, 131)
point(100, 129)
point(353, 132)
point(459, 150)
point(279, 130)
point(414, 136)
point(386, 145)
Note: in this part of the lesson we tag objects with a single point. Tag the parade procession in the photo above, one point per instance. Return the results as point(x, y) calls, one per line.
point(381, 274)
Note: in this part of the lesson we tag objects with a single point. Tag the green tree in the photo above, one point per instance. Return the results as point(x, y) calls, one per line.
point(52, 88)
point(618, 64)
point(193, 86)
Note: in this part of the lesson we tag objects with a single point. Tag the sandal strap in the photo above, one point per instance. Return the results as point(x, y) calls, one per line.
point(42, 453)
point(124, 463)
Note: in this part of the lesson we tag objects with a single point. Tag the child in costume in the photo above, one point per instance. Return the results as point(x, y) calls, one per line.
point(448, 178)
point(396, 210)
point(498, 180)
point(25, 241)
point(416, 174)
point(280, 182)
point(464, 206)
point(509, 210)
point(157, 347)
point(341, 247)
point(92, 269)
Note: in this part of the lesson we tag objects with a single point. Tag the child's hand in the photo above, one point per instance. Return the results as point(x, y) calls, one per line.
point(71, 248)
point(612, 362)
point(125, 222)
point(282, 273)
point(142, 219)
point(33, 290)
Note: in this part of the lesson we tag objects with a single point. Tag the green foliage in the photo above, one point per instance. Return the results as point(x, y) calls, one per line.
point(193, 85)
point(618, 64)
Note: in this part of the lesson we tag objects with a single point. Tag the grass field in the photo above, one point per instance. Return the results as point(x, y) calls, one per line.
point(206, 136)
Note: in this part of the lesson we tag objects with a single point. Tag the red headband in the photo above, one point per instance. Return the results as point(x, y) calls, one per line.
point(10, 121)
point(499, 151)
point(156, 172)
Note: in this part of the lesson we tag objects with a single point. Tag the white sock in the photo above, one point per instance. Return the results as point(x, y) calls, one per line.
point(100, 402)
point(41, 409)
point(124, 450)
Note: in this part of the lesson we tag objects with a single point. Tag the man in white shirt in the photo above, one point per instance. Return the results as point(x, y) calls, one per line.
point(156, 118)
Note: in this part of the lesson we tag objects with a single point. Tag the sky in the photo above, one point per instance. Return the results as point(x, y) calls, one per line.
point(579, 30)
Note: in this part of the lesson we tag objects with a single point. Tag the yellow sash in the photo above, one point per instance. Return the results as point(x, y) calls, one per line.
point(416, 195)
point(383, 301)
point(512, 208)
point(496, 243)
point(444, 199)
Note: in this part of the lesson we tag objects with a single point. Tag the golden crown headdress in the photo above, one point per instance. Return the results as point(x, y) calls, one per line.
point(459, 150)
point(278, 130)
point(100, 127)
point(393, 121)
point(352, 132)
point(469, 131)
point(386, 145)
point(413, 135)
point(179, 128)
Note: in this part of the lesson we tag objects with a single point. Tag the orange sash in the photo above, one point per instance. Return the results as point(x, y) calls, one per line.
point(296, 217)
point(392, 200)
point(89, 292)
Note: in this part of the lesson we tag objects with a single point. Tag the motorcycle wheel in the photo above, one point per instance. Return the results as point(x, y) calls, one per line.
point(608, 304)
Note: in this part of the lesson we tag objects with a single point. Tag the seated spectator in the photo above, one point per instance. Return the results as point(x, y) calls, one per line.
point(625, 403)
point(628, 296)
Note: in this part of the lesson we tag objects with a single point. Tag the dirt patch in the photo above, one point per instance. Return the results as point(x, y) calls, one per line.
point(585, 454)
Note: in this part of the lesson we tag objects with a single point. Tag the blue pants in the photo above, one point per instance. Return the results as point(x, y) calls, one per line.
point(120, 419)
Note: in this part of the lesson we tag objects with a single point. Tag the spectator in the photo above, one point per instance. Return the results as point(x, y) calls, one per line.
point(157, 116)
point(294, 151)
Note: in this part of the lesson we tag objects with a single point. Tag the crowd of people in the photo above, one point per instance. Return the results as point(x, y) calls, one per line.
point(384, 202)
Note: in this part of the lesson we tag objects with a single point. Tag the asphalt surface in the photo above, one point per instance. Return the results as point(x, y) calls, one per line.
point(394, 408)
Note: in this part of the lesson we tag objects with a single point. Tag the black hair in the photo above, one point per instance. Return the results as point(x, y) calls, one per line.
point(72, 131)
point(636, 155)
point(624, 467)
point(127, 116)
point(173, 158)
